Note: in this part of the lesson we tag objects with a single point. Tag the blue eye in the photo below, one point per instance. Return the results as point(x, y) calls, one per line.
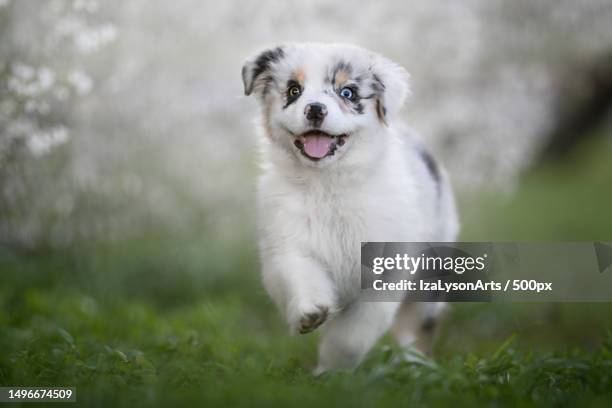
point(347, 93)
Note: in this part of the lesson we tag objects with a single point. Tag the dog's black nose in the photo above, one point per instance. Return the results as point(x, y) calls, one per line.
point(315, 112)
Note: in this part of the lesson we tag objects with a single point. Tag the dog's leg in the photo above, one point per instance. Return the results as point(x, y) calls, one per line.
point(301, 288)
point(350, 335)
point(416, 324)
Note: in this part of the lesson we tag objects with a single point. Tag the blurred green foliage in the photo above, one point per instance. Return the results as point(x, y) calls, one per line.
point(163, 320)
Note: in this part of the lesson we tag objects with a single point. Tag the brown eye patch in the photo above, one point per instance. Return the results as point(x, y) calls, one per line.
point(299, 76)
point(341, 78)
point(340, 74)
point(347, 86)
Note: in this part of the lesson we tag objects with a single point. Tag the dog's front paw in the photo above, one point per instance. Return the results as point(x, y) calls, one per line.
point(311, 320)
point(306, 318)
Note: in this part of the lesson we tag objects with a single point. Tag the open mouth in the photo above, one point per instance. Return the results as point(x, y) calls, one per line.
point(316, 145)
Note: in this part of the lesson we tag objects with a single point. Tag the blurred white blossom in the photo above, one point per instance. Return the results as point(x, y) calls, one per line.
point(80, 81)
point(140, 104)
point(44, 50)
point(92, 39)
point(43, 141)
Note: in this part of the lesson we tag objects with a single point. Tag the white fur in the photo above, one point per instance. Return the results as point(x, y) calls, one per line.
point(314, 215)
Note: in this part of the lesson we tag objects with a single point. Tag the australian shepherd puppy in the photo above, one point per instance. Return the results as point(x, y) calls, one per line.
point(338, 170)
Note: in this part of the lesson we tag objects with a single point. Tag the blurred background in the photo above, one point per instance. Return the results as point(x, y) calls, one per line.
point(128, 163)
point(121, 117)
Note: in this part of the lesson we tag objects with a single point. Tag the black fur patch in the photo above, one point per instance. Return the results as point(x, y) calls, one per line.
point(378, 85)
point(359, 108)
point(262, 64)
point(432, 166)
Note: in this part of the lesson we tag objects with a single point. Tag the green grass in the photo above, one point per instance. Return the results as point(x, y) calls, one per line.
point(185, 320)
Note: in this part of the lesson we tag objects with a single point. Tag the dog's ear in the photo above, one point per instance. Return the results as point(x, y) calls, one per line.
point(256, 72)
point(391, 86)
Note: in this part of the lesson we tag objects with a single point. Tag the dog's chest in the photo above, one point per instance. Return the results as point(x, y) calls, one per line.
point(329, 222)
point(334, 224)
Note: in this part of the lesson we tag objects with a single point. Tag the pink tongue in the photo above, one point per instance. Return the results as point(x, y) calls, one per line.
point(317, 146)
